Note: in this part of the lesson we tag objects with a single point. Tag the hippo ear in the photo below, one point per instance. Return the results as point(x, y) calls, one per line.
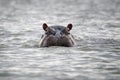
point(45, 26)
point(69, 27)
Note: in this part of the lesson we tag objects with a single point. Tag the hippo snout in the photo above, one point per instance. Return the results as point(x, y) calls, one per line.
point(57, 36)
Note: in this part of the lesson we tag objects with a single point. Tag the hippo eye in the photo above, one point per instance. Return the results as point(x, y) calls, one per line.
point(53, 32)
point(50, 32)
point(65, 32)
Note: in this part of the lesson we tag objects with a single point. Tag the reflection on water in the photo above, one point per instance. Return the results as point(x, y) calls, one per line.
point(96, 30)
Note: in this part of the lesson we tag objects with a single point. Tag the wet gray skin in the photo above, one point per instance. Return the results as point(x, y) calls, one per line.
point(57, 36)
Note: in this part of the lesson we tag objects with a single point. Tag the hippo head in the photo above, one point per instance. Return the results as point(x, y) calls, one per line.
point(57, 36)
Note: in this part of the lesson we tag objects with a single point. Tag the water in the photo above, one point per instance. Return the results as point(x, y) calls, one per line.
point(96, 29)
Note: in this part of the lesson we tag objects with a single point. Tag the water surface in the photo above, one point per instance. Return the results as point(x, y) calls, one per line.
point(96, 29)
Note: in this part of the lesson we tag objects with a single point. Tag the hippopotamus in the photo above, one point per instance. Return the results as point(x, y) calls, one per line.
point(57, 36)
